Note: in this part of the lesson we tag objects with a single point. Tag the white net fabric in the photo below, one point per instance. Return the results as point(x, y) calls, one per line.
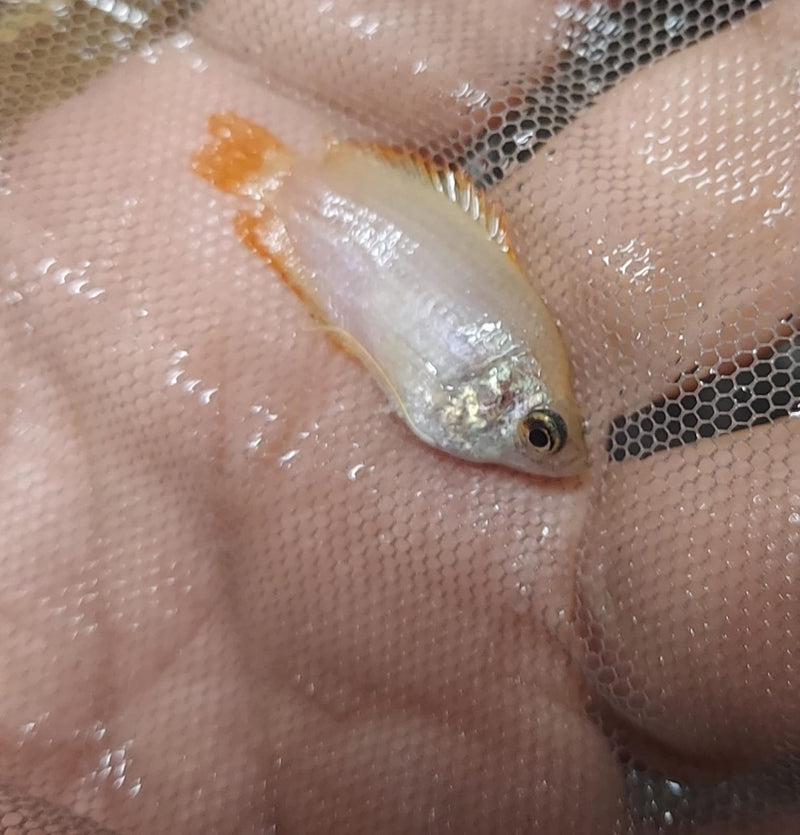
point(237, 595)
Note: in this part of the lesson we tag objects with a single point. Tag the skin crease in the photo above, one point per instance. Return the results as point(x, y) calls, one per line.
point(237, 594)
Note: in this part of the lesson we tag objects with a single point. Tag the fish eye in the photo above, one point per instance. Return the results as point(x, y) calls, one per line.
point(544, 430)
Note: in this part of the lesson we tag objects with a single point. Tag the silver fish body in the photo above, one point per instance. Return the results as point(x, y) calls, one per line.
point(417, 281)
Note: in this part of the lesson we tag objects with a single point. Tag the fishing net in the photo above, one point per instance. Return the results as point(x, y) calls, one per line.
point(237, 595)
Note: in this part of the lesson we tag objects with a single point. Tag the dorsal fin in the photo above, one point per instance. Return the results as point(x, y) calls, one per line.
point(456, 186)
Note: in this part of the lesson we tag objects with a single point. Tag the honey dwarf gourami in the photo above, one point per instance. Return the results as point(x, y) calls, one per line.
point(411, 269)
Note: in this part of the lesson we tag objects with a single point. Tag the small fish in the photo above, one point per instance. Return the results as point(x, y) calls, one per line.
point(410, 269)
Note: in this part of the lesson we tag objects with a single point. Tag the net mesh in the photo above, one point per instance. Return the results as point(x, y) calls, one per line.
point(237, 595)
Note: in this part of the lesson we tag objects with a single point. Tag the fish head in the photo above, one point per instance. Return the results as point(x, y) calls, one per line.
point(507, 414)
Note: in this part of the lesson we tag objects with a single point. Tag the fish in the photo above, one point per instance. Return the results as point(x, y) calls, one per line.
point(409, 267)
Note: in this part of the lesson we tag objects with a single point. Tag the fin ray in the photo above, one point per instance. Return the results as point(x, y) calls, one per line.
point(455, 185)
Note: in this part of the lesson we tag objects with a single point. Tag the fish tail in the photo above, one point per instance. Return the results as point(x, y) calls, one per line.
point(241, 157)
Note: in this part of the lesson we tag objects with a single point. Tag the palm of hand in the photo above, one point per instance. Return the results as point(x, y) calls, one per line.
point(253, 598)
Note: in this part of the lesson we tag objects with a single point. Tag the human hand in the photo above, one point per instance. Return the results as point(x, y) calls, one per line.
point(240, 595)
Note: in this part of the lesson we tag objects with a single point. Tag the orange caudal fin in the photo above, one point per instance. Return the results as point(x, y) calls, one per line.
point(241, 157)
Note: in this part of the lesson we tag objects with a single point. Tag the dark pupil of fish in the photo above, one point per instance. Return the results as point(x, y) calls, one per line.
point(539, 436)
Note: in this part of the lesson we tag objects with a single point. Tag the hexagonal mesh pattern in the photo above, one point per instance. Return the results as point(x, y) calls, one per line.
point(599, 44)
point(237, 595)
point(80, 39)
point(759, 387)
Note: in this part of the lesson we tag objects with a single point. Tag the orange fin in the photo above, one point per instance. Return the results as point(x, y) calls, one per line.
point(242, 157)
point(456, 186)
point(263, 232)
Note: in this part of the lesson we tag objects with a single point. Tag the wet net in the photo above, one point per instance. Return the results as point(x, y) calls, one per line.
point(237, 595)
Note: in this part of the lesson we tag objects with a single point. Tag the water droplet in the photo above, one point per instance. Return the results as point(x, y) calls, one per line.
point(182, 40)
point(207, 394)
point(354, 471)
point(43, 267)
point(674, 787)
point(77, 285)
point(362, 24)
point(28, 728)
point(287, 457)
